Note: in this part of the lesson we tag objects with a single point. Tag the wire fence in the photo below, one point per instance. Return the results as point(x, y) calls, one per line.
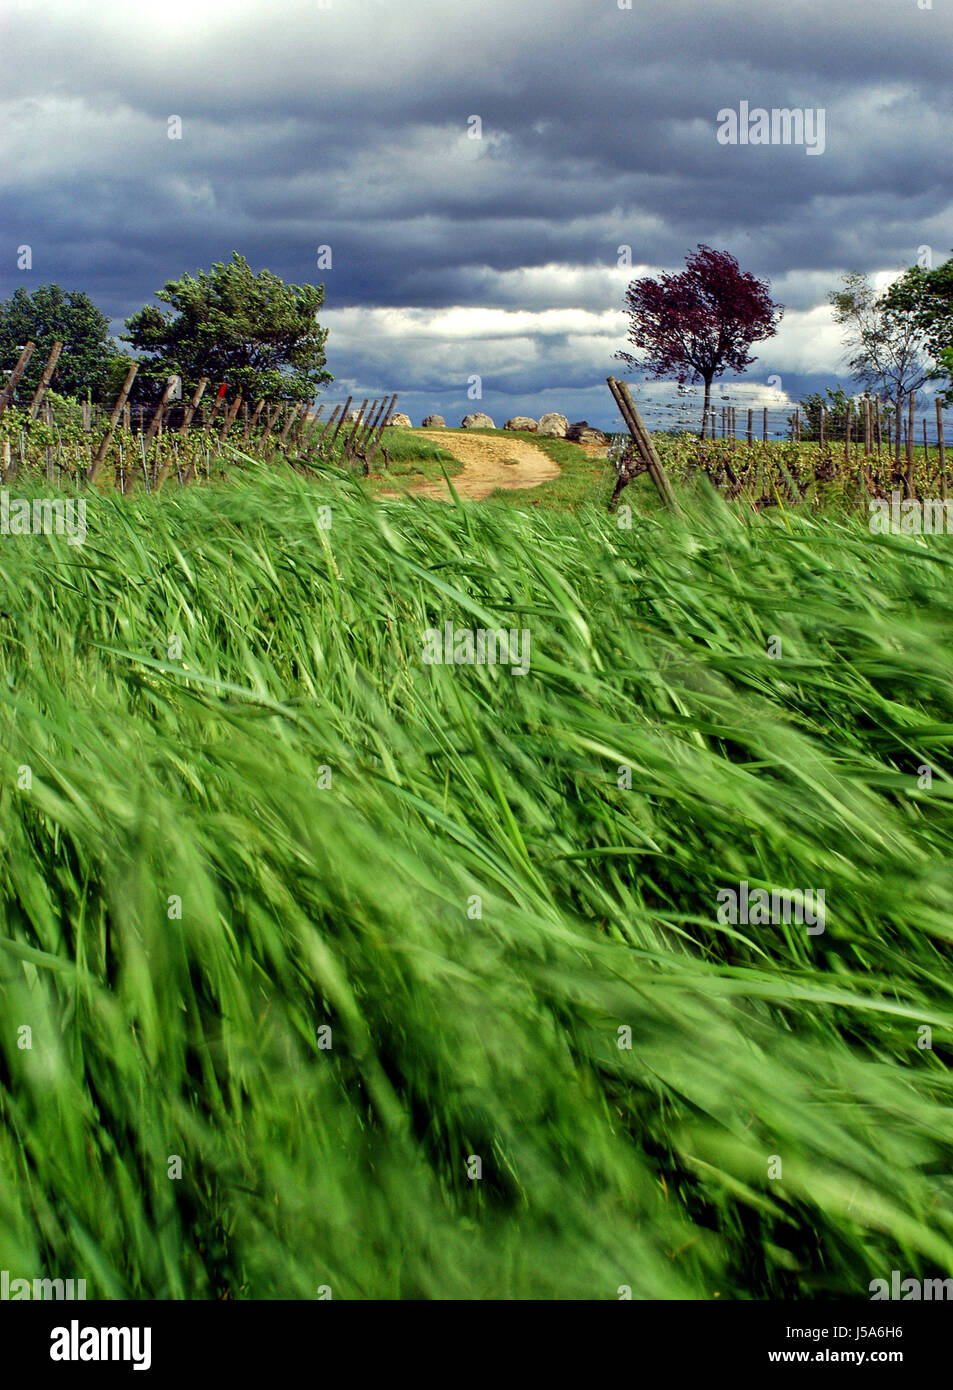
point(739, 417)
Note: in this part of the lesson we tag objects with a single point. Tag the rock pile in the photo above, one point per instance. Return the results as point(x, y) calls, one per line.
point(552, 424)
point(584, 433)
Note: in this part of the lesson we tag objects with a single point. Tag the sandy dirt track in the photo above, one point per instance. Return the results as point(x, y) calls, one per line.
point(488, 463)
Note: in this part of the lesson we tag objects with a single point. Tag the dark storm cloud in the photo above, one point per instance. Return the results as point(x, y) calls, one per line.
point(348, 127)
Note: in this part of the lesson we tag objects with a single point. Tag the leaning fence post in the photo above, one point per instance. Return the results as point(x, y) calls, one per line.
point(358, 425)
point(630, 414)
point(160, 410)
point(6, 395)
point(371, 449)
point(252, 421)
point(193, 406)
point(339, 424)
point(216, 406)
point(230, 414)
point(292, 416)
point(307, 433)
point(45, 380)
point(104, 443)
point(367, 433)
point(321, 440)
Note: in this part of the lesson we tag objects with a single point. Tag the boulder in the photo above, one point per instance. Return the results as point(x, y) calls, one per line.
point(583, 433)
point(434, 422)
point(352, 417)
point(479, 421)
point(553, 424)
point(399, 419)
point(521, 422)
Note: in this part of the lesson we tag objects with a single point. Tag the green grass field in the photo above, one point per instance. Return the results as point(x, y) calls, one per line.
point(327, 955)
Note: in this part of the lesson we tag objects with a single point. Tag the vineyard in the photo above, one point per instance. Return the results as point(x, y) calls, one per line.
point(70, 443)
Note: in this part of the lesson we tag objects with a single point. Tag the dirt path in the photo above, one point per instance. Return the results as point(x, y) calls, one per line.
point(488, 463)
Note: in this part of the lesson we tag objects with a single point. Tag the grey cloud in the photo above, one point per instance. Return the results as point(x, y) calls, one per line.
point(347, 127)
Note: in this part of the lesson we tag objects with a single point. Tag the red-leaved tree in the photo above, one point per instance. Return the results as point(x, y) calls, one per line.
point(698, 324)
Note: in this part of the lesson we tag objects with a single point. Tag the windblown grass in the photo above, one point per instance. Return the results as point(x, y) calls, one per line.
point(352, 905)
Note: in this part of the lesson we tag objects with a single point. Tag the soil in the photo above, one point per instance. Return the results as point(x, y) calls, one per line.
point(488, 463)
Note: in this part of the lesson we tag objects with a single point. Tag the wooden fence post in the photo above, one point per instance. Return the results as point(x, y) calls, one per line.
point(159, 411)
point(368, 427)
point(253, 420)
point(340, 423)
point(358, 424)
point(630, 414)
point(104, 443)
point(45, 380)
point(230, 414)
point(369, 447)
point(292, 416)
point(193, 406)
point(216, 406)
point(326, 432)
point(307, 433)
point(6, 395)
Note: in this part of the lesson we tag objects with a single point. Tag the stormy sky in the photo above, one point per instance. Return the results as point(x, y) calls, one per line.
point(350, 124)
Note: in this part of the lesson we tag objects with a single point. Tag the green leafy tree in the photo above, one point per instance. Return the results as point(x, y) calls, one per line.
point(88, 358)
point(925, 298)
point(887, 346)
point(837, 404)
point(254, 332)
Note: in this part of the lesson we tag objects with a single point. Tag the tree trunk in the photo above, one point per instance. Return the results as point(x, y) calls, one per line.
point(706, 406)
point(898, 422)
